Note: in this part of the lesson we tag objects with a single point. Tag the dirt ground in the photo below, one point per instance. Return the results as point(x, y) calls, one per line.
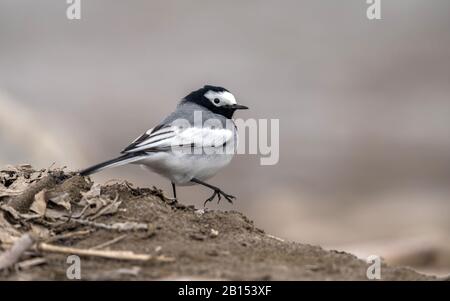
point(202, 244)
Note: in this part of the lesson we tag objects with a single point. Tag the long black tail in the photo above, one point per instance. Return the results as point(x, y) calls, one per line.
point(122, 160)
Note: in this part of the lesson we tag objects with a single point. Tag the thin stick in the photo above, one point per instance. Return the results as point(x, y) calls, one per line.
point(109, 242)
point(125, 226)
point(30, 263)
point(69, 235)
point(120, 255)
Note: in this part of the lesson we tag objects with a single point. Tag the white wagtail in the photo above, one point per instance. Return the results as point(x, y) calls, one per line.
point(209, 143)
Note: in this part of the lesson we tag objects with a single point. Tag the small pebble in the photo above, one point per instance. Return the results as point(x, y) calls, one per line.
point(200, 212)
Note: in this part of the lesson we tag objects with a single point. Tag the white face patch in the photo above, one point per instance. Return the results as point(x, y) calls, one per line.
point(220, 98)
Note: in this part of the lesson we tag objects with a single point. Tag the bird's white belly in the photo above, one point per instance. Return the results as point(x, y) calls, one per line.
point(182, 168)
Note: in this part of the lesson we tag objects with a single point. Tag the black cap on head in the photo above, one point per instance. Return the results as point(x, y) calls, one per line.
point(215, 98)
point(214, 88)
point(201, 92)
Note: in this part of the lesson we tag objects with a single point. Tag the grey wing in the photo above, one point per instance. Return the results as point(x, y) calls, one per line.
point(166, 138)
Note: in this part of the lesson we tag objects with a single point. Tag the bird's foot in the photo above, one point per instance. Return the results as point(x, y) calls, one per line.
point(219, 193)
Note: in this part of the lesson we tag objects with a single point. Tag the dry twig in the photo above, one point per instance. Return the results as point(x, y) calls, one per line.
point(26, 264)
point(69, 235)
point(119, 255)
point(126, 226)
point(109, 242)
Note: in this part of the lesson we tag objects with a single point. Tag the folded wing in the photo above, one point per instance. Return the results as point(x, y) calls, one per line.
point(167, 137)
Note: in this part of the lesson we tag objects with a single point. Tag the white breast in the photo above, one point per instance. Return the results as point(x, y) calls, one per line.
point(181, 168)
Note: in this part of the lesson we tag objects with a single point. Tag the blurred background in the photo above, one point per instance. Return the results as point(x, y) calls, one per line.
point(364, 107)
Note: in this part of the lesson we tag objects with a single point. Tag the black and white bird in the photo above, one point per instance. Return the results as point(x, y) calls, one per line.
point(190, 145)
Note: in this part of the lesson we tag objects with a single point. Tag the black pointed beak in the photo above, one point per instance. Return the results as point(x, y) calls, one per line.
point(237, 107)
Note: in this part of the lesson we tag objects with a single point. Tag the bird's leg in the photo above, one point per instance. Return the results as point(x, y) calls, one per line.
point(174, 189)
point(217, 192)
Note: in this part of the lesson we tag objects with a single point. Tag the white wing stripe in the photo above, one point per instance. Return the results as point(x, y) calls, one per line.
point(163, 142)
point(157, 137)
point(199, 137)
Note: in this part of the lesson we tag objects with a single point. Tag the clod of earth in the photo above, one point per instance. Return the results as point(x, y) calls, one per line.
point(121, 232)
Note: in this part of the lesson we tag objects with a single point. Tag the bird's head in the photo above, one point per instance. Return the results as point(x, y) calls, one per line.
point(217, 99)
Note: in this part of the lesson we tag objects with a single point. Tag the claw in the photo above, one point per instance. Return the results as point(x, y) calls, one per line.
point(210, 198)
point(219, 197)
point(219, 193)
point(230, 198)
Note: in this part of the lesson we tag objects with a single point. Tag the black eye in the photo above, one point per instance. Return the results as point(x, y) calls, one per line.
point(216, 100)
